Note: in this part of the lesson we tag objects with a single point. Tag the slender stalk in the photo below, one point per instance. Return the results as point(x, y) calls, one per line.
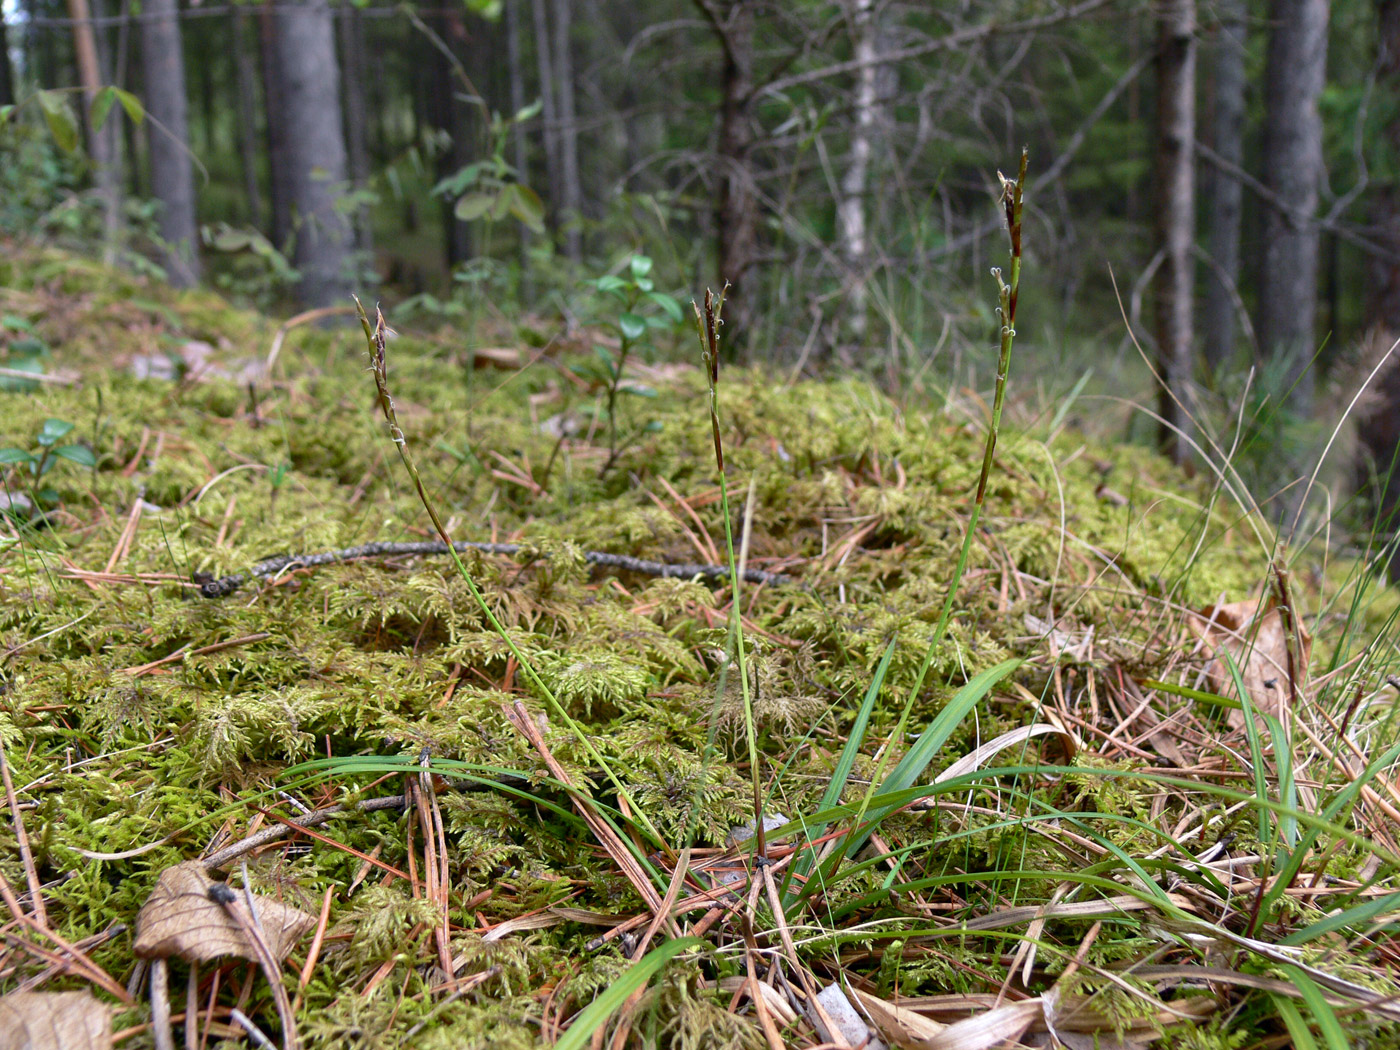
point(375, 335)
point(1011, 197)
point(708, 323)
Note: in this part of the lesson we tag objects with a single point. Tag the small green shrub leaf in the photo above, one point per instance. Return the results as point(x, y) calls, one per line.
point(632, 326)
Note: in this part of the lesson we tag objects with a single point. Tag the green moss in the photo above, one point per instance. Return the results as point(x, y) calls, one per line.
point(390, 657)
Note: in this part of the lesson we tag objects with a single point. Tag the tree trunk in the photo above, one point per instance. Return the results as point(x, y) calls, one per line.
point(247, 117)
point(172, 174)
point(447, 113)
point(1296, 68)
point(519, 158)
point(1380, 422)
point(544, 62)
point(1176, 218)
point(7, 73)
point(352, 49)
point(850, 213)
point(102, 143)
point(1222, 190)
point(315, 148)
point(571, 199)
point(278, 163)
point(736, 204)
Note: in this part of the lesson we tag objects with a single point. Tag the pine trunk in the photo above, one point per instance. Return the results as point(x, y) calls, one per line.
point(1380, 423)
point(103, 142)
point(544, 63)
point(1297, 63)
point(309, 78)
point(352, 50)
point(736, 206)
point(247, 117)
point(571, 190)
point(172, 174)
point(1222, 190)
point(278, 163)
point(1176, 218)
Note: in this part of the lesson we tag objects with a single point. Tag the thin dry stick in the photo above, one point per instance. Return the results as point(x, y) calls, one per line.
point(223, 894)
point(229, 854)
point(272, 567)
point(160, 1005)
point(81, 962)
point(31, 873)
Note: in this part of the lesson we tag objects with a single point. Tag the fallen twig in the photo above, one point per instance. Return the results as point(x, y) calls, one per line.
point(226, 585)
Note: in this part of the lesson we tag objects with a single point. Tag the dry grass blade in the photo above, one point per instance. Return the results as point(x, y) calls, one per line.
point(31, 874)
point(71, 956)
point(607, 837)
point(898, 1025)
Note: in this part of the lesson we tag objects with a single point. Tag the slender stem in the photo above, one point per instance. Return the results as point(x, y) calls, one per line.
point(375, 335)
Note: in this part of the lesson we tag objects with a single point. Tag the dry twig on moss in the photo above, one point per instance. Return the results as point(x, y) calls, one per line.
point(226, 585)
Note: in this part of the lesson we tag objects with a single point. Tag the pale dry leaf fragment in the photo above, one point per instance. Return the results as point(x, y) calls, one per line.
point(179, 918)
point(898, 1025)
point(54, 1021)
point(1005, 1024)
point(1257, 640)
point(852, 1025)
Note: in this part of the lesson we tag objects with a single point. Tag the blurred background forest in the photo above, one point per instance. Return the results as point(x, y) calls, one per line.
point(1216, 180)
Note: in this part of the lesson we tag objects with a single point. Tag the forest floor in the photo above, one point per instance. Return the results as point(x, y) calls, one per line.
point(1145, 794)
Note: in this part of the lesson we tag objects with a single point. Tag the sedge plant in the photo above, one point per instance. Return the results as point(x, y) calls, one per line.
point(916, 760)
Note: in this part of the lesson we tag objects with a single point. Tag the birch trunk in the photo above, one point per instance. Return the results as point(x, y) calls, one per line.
point(850, 214)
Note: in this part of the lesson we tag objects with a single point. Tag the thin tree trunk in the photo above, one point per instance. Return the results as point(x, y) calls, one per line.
point(315, 148)
point(736, 204)
point(1176, 218)
point(7, 73)
point(519, 157)
point(1380, 424)
point(102, 144)
point(1297, 64)
point(278, 163)
point(172, 174)
point(850, 214)
point(1222, 190)
point(352, 49)
point(571, 200)
point(247, 117)
point(447, 113)
point(549, 111)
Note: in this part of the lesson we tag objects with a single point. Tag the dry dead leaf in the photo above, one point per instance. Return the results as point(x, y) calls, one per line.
point(1257, 641)
point(54, 1021)
point(179, 918)
point(900, 1027)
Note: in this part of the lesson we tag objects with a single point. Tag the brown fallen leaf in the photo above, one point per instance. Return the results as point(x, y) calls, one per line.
point(1256, 639)
point(180, 918)
point(898, 1026)
point(54, 1021)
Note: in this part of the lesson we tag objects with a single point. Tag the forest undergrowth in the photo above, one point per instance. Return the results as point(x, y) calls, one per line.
point(1137, 788)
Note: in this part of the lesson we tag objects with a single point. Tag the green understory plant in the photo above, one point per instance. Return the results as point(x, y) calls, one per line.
point(43, 455)
point(640, 311)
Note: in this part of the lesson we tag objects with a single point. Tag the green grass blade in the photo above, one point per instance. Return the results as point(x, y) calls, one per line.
point(596, 1013)
point(845, 763)
point(913, 764)
point(1351, 918)
point(1256, 751)
point(1328, 1024)
point(1298, 1029)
